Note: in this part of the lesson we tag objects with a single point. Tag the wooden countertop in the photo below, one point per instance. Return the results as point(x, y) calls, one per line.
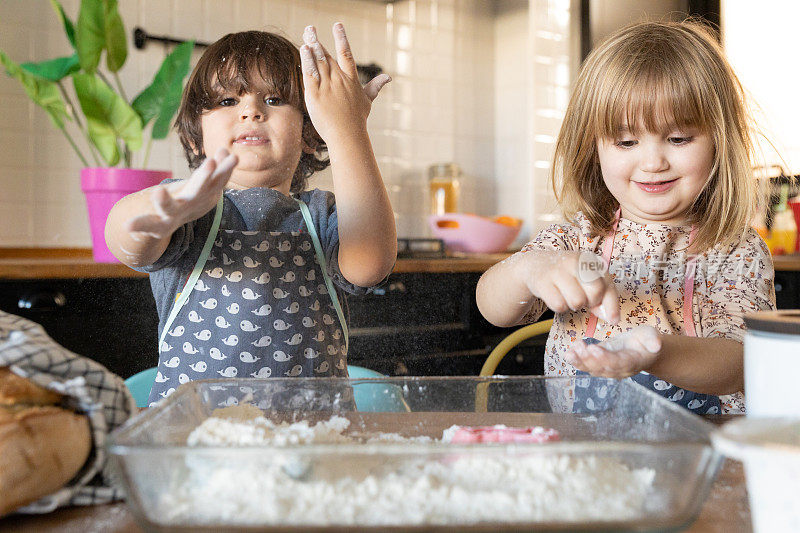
point(726, 510)
point(65, 263)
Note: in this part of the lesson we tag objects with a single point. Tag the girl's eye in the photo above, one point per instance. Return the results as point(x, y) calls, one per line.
point(273, 100)
point(227, 102)
point(680, 140)
point(625, 144)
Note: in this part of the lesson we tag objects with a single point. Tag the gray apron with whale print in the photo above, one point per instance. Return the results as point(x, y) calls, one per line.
point(258, 304)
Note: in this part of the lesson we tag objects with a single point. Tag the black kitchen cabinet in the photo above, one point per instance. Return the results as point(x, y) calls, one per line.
point(415, 324)
point(787, 290)
point(112, 321)
point(428, 324)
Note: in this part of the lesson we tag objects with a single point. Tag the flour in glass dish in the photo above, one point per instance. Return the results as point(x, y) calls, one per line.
point(382, 490)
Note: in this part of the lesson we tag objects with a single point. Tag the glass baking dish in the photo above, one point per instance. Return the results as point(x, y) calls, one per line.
point(582, 481)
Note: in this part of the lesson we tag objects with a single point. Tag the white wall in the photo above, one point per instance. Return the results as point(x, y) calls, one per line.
point(462, 92)
point(532, 64)
point(761, 43)
point(553, 53)
point(428, 46)
point(511, 104)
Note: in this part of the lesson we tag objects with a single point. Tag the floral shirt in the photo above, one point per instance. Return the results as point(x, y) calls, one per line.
point(648, 266)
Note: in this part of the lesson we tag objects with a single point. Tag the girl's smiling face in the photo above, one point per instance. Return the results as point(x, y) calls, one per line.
point(263, 130)
point(656, 176)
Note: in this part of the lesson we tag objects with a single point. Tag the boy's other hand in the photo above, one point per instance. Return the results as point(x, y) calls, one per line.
point(176, 203)
point(336, 102)
point(622, 356)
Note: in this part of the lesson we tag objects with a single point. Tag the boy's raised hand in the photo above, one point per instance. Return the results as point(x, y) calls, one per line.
point(335, 100)
point(625, 355)
point(179, 202)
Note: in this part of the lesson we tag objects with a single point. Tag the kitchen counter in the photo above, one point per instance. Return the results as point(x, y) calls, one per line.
point(66, 263)
point(726, 510)
point(70, 263)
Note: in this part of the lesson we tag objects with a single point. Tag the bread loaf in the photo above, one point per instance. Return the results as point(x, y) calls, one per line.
point(42, 446)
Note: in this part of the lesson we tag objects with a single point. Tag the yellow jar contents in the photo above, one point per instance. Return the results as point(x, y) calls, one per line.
point(444, 188)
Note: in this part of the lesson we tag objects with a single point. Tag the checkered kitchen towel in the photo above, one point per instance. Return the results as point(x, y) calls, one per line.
point(89, 387)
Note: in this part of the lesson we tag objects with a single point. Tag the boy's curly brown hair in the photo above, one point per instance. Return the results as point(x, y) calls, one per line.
point(229, 65)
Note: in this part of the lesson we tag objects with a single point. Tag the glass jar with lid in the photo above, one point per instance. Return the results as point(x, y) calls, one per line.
point(443, 182)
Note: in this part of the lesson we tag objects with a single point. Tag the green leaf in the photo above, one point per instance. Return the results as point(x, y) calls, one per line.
point(90, 35)
point(69, 29)
point(109, 117)
point(116, 44)
point(53, 69)
point(105, 141)
point(42, 92)
point(160, 100)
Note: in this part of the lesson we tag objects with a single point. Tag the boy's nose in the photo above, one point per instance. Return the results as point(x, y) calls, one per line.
point(252, 113)
point(252, 109)
point(255, 115)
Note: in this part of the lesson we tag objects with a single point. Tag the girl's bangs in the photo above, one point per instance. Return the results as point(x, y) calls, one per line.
point(650, 101)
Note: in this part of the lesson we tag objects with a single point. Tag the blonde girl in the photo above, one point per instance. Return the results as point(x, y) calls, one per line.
point(652, 170)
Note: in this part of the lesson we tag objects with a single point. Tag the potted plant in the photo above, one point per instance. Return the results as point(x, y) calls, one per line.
point(112, 127)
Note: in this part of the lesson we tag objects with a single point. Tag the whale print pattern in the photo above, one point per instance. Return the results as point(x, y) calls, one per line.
point(258, 310)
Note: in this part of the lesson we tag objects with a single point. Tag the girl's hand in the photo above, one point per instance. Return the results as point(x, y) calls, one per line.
point(175, 204)
point(569, 281)
point(624, 355)
point(336, 102)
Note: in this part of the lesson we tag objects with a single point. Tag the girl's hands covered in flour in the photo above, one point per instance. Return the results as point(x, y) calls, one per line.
point(625, 355)
point(336, 102)
point(177, 203)
point(569, 281)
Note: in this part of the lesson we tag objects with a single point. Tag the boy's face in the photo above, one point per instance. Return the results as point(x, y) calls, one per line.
point(263, 131)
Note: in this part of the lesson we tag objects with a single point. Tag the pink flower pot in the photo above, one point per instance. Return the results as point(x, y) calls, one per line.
point(103, 188)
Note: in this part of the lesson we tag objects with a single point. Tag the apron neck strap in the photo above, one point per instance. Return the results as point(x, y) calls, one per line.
point(688, 286)
point(183, 296)
point(324, 266)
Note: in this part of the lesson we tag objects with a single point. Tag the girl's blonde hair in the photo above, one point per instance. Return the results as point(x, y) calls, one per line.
point(658, 75)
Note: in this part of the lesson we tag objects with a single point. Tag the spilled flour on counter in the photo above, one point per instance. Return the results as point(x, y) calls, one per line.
point(240, 487)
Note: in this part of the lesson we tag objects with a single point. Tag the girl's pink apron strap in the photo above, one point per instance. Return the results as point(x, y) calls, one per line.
point(688, 287)
point(608, 251)
point(688, 291)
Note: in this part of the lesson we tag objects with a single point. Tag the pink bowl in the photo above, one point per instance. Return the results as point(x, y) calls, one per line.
point(462, 232)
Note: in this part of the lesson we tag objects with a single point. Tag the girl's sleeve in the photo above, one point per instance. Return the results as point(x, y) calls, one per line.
point(556, 237)
point(744, 282)
point(741, 282)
